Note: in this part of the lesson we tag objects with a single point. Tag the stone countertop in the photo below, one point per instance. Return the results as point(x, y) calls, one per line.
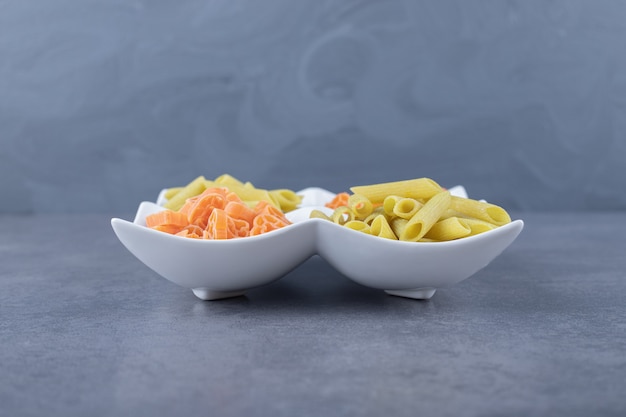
point(86, 329)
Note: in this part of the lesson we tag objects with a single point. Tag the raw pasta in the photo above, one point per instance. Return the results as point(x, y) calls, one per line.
point(380, 227)
point(406, 208)
point(448, 229)
point(389, 203)
point(192, 189)
point(426, 217)
point(287, 199)
point(318, 214)
point(360, 206)
point(342, 214)
point(376, 212)
point(416, 210)
point(397, 225)
point(477, 226)
point(359, 225)
point(284, 199)
point(218, 212)
point(480, 210)
point(416, 188)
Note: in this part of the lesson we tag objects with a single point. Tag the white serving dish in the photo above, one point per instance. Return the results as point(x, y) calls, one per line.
point(216, 269)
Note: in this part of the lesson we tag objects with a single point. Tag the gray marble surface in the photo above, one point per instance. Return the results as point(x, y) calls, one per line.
point(86, 329)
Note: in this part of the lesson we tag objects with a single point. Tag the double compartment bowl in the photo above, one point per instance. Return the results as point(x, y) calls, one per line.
point(216, 269)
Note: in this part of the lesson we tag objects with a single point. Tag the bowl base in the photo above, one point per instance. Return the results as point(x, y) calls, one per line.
point(417, 293)
point(208, 295)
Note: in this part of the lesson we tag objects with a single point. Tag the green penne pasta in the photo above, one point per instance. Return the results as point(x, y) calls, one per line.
point(417, 188)
point(287, 199)
point(448, 229)
point(477, 226)
point(192, 189)
point(406, 208)
point(381, 228)
point(318, 214)
point(360, 205)
point(480, 210)
point(342, 214)
point(426, 217)
point(358, 225)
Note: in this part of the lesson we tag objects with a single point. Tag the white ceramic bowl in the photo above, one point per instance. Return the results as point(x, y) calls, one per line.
point(216, 269)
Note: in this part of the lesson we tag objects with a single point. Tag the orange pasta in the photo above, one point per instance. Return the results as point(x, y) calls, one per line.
point(217, 213)
point(231, 196)
point(238, 227)
point(273, 211)
point(168, 228)
point(191, 202)
point(266, 222)
point(339, 200)
point(268, 218)
point(260, 206)
point(167, 218)
point(239, 210)
point(217, 225)
point(191, 231)
point(202, 208)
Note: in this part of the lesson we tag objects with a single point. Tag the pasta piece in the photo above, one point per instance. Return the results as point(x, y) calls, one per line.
point(287, 199)
point(191, 231)
point(168, 228)
point(397, 225)
point(451, 213)
point(380, 227)
point(217, 225)
point(318, 214)
point(480, 210)
point(360, 206)
point(222, 226)
point(251, 203)
point(342, 214)
point(389, 203)
point(238, 227)
point(268, 218)
point(239, 210)
point(260, 206)
point(359, 226)
point(201, 207)
point(171, 192)
point(448, 229)
point(426, 217)
point(266, 207)
point(192, 189)
point(253, 194)
point(377, 211)
point(417, 188)
point(228, 180)
point(231, 196)
point(166, 218)
point(191, 202)
point(406, 208)
point(477, 226)
point(266, 222)
point(339, 200)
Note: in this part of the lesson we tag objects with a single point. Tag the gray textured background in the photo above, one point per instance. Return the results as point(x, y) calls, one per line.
point(103, 103)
